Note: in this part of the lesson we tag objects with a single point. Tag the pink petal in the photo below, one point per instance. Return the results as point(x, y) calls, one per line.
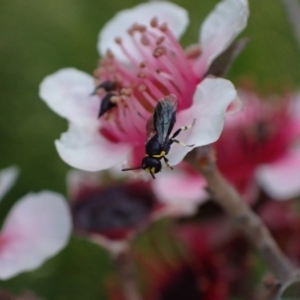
point(8, 177)
point(211, 99)
point(281, 179)
point(219, 29)
point(180, 192)
point(37, 227)
point(68, 93)
point(86, 149)
point(175, 16)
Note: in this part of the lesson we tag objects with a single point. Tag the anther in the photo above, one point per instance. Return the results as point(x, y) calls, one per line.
point(131, 30)
point(109, 54)
point(118, 40)
point(159, 51)
point(115, 99)
point(193, 52)
point(126, 92)
point(142, 64)
point(141, 75)
point(141, 28)
point(154, 22)
point(142, 88)
point(164, 27)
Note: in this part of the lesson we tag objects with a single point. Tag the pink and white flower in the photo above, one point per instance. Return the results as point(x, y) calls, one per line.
point(37, 227)
point(259, 145)
point(145, 62)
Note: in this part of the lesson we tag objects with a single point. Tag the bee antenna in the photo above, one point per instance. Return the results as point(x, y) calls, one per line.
point(129, 169)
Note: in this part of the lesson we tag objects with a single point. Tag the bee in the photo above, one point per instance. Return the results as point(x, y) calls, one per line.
point(159, 141)
point(106, 104)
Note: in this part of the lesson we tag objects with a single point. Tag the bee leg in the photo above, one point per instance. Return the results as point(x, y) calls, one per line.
point(166, 162)
point(178, 131)
point(180, 143)
point(152, 175)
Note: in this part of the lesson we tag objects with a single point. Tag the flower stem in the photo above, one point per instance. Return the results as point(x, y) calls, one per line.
point(249, 223)
point(125, 267)
point(292, 8)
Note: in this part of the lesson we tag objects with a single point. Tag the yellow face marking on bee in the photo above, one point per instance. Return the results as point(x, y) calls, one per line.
point(151, 171)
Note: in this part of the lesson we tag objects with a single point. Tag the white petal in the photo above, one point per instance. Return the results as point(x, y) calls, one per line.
point(68, 93)
point(175, 16)
point(37, 227)
point(281, 179)
point(211, 99)
point(180, 192)
point(87, 150)
point(8, 177)
point(219, 29)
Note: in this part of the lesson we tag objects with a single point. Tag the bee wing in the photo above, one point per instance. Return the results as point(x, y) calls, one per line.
point(164, 117)
point(150, 129)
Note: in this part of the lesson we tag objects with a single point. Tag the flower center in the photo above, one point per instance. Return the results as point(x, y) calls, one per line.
point(114, 210)
point(158, 67)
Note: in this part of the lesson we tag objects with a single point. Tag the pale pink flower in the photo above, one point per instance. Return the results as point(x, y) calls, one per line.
point(37, 227)
point(142, 57)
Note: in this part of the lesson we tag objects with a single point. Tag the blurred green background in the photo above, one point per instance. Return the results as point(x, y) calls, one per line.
point(40, 37)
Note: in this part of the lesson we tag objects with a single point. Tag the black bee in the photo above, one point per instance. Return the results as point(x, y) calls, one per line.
point(106, 103)
point(159, 142)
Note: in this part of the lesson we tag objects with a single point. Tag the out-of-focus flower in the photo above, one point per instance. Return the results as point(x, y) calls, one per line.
point(111, 211)
point(258, 145)
point(142, 63)
point(37, 227)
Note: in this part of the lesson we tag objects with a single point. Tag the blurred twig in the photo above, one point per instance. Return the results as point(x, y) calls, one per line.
point(292, 8)
point(227, 197)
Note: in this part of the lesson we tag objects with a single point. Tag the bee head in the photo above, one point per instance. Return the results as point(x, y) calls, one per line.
point(151, 165)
